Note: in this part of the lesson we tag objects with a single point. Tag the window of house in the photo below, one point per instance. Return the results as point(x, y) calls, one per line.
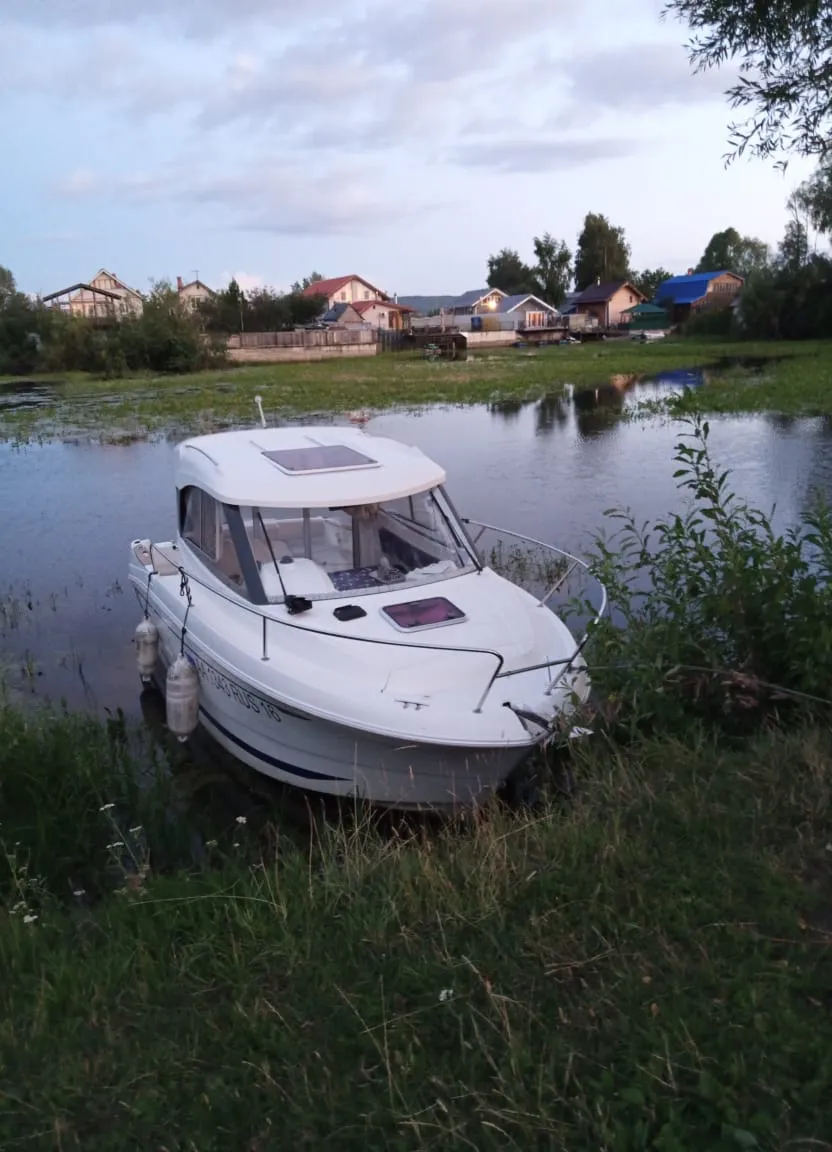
point(343, 296)
point(366, 295)
point(535, 319)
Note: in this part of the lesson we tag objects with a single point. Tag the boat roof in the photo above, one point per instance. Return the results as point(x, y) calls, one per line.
point(304, 466)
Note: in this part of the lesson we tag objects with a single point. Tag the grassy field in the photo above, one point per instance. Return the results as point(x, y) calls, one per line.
point(136, 408)
point(644, 966)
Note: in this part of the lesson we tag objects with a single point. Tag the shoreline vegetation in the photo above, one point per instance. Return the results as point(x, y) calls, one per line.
point(793, 378)
point(641, 961)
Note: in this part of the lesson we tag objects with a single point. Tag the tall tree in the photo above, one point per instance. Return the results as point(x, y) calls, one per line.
point(507, 272)
point(649, 280)
point(793, 251)
point(729, 251)
point(7, 285)
point(784, 48)
point(812, 200)
point(552, 273)
point(300, 285)
point(603, 252)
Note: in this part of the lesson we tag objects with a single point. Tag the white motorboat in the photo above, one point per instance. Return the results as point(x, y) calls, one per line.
point(326, 615)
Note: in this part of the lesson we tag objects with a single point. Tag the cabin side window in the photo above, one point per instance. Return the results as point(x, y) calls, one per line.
point(200, 522)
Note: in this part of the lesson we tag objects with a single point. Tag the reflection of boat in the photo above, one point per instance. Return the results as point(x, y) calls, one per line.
point(328, 613)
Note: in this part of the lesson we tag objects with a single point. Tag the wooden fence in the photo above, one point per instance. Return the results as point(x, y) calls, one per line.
point(304, 338)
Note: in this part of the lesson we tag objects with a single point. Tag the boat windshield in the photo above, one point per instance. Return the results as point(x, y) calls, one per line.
point(332, 552)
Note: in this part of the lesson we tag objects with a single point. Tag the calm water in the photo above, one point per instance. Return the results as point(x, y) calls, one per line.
point(549, 468)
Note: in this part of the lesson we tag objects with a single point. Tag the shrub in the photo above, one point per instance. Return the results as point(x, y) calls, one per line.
point(714, 614)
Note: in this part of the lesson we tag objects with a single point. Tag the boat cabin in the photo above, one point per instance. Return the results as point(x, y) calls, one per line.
point(281, 514)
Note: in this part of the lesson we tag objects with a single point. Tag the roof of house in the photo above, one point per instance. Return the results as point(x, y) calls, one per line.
point(645, 308)
point(472, 298)
point(686, 289)
point(335, 284)
point(601, 293)
point(362, 306)
point(509, 303)
point(426, 304)
point(81, 286)
point(196, 284)
point(337, 311)
point(120, 283)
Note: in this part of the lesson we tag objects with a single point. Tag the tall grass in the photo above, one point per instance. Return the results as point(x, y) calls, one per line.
point(644, 968)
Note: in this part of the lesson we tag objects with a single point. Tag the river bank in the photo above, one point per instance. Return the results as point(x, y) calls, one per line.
point(645, 964)
point(135, 408)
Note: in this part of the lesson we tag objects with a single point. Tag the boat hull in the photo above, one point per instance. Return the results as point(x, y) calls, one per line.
point(321, 756)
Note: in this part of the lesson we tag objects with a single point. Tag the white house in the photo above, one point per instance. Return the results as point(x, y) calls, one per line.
point(87, 303)
point(344, 290)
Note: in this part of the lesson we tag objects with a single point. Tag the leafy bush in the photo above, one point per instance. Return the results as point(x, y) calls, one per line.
point(710, 322)
point(165, 338)
point(714, 614)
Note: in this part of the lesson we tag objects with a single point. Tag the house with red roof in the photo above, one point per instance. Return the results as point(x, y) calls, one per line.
point(344, 290)
point(375, 307)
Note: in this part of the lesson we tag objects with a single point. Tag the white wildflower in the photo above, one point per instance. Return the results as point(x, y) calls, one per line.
point(106, 807)
point(445, 994)
point(136, 828)
point(29, 918)
point(79, 892)
point(116, 844)
point(242, 820)
point(210, 843)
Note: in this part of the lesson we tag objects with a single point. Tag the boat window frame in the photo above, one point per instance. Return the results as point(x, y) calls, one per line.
point(251, 589)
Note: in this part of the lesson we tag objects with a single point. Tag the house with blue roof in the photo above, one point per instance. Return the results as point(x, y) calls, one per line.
point(683, 296)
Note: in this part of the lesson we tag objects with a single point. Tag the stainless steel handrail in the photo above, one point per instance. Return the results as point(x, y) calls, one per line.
point(575, 562)
point(266, 620)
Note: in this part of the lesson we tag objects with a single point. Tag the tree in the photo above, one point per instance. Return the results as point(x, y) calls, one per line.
point(813, 200)
point(729, 251)
point(603, 252)
point(793, 251)
point(650, 280)
point(300, 285)
point(7, 285)
point(784, 48)
point(507, 272)
point(552, 274)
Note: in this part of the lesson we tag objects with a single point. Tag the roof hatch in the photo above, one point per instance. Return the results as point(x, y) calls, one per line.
point(318, 458)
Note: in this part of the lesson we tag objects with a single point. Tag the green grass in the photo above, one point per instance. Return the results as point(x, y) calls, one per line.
point(798, 385)
point(139, 407)
point(646, 966)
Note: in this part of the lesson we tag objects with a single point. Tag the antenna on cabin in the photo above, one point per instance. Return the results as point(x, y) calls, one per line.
point(258, 400)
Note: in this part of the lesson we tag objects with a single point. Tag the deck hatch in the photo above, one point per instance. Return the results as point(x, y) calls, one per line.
point(414, 615)
point(319, 458)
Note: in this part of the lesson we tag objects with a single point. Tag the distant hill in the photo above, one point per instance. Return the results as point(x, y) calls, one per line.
point(426, 304)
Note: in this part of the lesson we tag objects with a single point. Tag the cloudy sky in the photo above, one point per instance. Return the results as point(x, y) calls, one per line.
point(403, 141)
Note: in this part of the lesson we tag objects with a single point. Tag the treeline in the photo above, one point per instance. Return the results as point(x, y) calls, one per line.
point(788, 292)
point(601, 253)
point(166, 337)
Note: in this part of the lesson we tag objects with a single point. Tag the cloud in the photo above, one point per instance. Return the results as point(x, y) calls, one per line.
point(538, 154)
point(80, 182)
point(640, 78)
point(248, 281)
point(262, 196)
point(200, 19)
